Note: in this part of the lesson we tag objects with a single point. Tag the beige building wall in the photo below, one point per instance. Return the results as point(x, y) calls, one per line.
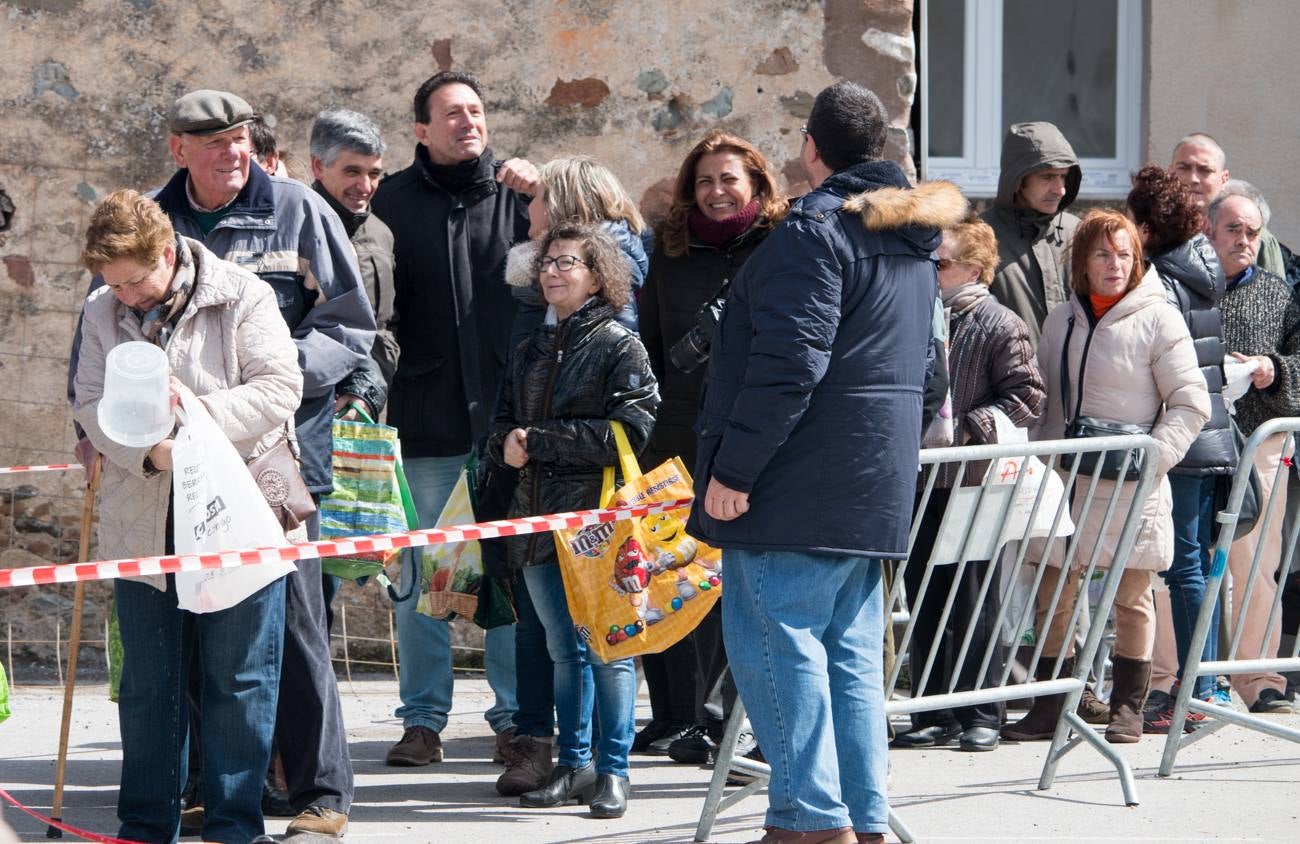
point(1229, 68)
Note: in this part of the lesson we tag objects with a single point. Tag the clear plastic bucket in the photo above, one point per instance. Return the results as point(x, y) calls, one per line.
point(135, 409)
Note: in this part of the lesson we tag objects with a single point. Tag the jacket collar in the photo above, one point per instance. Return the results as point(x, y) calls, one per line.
point(483, 184)
point(1195, 265)
point(352, 220)
point(253, 207)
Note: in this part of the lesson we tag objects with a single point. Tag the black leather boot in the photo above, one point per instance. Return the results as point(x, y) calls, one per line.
point(564, 784)
point(610, 799)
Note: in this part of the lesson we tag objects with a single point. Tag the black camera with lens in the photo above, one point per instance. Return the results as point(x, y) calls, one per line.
point(693, 349)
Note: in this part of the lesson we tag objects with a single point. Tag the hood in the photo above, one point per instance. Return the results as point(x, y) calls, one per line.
point(1036, 146)
point(918, 215)
point(632, 248)
point(1195, 265)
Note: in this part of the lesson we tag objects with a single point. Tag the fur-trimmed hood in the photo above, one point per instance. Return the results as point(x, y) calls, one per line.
point(933, 205)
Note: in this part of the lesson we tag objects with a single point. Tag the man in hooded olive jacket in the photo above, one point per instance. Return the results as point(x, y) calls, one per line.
point(1039, 180)
point(809, 428)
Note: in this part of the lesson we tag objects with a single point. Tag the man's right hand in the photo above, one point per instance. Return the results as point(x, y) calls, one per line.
point(516, 448)
point(86, 455)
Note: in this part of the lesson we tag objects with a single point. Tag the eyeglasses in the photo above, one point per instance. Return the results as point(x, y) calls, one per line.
point(563, 263)
point(946, 263)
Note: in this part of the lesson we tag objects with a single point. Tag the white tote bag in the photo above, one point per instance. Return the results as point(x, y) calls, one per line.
point(217, 507)
point(985, 540)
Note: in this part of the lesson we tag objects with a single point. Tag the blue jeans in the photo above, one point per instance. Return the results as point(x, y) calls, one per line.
point(424, 644)
point(584, 684)
point(1194, 529)
point(534, 671)
point(238, 653)
point(804, 633)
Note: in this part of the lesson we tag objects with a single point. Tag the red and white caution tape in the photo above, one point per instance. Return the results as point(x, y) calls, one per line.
point(53, 467)
point(57, 823)
point(109, 570)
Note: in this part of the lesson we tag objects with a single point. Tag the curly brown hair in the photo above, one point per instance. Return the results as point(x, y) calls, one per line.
point(603, 257)
point(1166, 207)
point(772, 201)
point(1099, 223)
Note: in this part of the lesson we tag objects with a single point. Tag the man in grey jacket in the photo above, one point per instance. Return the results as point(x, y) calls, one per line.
point(285, 233)
point(1039, 180)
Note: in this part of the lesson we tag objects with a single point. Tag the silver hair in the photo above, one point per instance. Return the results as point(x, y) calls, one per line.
point(1241, 187)
point(338, 129)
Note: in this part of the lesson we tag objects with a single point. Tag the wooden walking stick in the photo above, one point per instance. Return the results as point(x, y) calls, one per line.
point(74, 647)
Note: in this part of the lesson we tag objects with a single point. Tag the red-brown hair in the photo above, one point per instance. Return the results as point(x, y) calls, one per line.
point(772, 201)
point(1097, 224)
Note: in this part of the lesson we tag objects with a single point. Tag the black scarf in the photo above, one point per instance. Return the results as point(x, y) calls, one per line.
point(352, 220)
point(459, 177)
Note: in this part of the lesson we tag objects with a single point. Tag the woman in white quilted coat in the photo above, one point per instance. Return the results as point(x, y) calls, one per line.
point(1140, 369)
point(227, 344)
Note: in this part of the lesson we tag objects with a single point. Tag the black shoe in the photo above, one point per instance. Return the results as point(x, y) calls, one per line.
point(652, 731)
point(659, 747)
point(610, 798)
point(938, 735)
point(693, 747)
point(563, 785)
point(1272, 702)
point(977, 739)
point(275, 803)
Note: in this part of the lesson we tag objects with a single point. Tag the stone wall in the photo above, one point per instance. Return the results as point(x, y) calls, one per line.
point(87, 84)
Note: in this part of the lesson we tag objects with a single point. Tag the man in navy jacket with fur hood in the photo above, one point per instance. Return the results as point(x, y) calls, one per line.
point(809, 431)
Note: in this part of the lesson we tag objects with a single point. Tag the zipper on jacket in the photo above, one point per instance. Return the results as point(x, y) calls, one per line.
point(547, 396)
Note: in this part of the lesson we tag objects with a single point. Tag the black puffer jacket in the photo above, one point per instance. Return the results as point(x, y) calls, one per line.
point(675, 289)
point(563, 385)
point(1195, 285)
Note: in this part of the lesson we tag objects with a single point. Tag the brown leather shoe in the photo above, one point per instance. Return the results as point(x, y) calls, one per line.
point(317, 820)
point(776, 835)
point(419, 746)
point(528, 766)
point(499, 754)
point(1091, 708)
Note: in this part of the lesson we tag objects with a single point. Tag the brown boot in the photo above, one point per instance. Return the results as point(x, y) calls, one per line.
point(419, 746)
point(776, 835)
point(1131, 680)
point(1092, 709)
point(528, 765)
point(1039, 724)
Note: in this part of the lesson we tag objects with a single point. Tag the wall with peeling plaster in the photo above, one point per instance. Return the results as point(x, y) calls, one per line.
point(87, 85)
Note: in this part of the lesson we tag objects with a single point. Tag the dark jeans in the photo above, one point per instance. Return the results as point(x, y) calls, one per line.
point(309, 731)
point(534, 671)
point(1194, 531)
point(715, 691)
point(965, 612)
point(237, 652)
point(670, 679)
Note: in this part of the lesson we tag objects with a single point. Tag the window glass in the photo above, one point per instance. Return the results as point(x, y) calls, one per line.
point(946, 46)
point(1058, 65)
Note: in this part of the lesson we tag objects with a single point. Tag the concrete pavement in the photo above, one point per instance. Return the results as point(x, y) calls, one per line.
point(1236, 785)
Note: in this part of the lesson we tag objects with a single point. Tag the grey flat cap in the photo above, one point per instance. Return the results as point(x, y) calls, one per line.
point(209, 112)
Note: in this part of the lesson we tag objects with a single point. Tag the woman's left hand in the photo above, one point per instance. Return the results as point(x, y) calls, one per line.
point(1264, 374)
point(516, 448)
point(177, 390)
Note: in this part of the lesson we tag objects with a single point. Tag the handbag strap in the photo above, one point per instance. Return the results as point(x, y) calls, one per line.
point(626, 460)
point(1065, 372)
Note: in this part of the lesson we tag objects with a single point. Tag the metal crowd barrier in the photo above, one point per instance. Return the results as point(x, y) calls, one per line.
point(1006, 513)
point(1231, 561)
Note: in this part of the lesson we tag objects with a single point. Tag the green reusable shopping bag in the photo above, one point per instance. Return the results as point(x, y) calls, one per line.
point(370, 495)
point(4, 695)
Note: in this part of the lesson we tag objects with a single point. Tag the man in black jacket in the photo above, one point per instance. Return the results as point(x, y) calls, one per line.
point(454, 214)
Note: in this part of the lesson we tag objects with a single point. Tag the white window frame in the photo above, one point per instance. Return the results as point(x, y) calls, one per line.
point(976, 171)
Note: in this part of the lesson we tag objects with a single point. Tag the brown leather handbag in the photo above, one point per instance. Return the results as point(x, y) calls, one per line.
point(276, 474)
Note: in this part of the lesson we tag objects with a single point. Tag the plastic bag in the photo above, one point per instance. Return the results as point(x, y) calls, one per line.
point(5, 712)
point(452, 573)
point(985, 540)
point(218, 507)
point(370, 495)
point(638, 586)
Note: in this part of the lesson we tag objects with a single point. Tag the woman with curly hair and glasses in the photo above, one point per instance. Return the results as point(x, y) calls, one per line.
point(577, 371)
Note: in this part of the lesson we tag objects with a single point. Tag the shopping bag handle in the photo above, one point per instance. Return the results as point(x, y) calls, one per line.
point(361, 411)
point(626, 459)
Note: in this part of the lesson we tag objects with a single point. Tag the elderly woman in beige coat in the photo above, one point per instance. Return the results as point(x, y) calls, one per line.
point(227, 344)
point(1141, 369)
